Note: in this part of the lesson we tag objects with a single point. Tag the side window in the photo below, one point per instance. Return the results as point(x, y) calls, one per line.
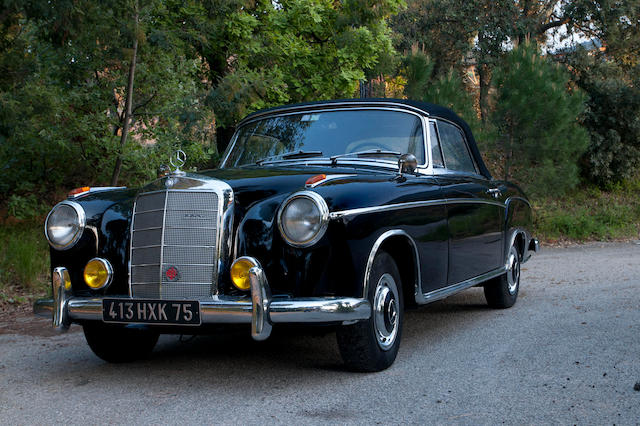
point(436, 154)
point(455, 150)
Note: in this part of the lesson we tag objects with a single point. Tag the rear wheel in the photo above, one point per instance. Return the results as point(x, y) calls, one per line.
point(115, 343)
point(502, 292)
point(372, 345)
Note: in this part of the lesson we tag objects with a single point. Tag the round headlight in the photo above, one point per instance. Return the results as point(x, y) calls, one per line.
point(64, 225)
point(303, 218)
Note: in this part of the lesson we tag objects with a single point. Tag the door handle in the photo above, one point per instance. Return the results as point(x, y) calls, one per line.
point(494, 192)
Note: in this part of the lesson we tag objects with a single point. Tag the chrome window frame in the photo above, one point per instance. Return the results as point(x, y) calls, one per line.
point(422, 168)
point(446, 170)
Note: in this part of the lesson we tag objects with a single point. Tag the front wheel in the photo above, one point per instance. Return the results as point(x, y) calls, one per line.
point(372, 345)
point(502, 292)
point(117, 344)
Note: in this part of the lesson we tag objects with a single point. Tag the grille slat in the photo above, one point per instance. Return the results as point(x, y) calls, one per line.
point(186, 246)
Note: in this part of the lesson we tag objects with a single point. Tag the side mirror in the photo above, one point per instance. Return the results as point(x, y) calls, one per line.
point(407, 163)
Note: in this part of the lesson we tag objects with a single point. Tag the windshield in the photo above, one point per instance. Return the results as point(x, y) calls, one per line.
point(380, 134)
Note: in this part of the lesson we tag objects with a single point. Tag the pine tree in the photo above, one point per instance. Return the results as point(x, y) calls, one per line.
point(536, 115)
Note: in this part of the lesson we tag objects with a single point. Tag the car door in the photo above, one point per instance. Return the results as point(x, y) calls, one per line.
point(474, 214)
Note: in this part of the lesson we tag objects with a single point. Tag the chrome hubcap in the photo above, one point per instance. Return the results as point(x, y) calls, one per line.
point(385, 311)
point(513, 271)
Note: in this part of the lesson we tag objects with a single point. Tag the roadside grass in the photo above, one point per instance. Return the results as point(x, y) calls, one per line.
point(590, 214)
point(24, 262)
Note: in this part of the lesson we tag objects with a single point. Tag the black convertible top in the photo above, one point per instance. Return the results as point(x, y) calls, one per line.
point(426, 108)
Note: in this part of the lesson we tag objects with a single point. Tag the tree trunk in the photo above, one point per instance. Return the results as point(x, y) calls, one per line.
point(484, 75)
point(127, 115)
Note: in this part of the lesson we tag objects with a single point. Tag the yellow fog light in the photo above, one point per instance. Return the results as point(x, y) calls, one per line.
point(240, 272)
point(98, 273)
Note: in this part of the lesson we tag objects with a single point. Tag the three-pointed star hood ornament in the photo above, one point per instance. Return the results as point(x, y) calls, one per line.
point(177, 160)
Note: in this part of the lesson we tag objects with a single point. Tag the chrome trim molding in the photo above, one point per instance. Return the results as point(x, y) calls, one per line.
point(374, 250)
point(324, 217)
point(389, 207)
point(441, 293)
point(82, 222)
point(508, 200)
point(93, 189)
point(329, 106)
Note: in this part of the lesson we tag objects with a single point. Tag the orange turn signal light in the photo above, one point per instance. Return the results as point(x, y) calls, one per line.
point(315, 179)
point(79, 190)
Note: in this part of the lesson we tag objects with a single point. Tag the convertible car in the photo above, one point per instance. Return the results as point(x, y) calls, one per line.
point(338, 213)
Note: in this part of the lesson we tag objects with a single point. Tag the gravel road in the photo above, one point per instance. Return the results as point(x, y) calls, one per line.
point(568, 352)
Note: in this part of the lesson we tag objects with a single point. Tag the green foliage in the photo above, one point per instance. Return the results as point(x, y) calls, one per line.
point(299, 50)
point(536, 117)
point(447, 90)
point(612, 118)
point(24, 259)
point(61, 116)
point(590, 214)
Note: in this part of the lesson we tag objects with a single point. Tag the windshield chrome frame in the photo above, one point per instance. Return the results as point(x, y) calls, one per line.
point(390, 164)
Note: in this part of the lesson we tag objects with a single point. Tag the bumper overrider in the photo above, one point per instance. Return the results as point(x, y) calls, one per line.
point(260, 310)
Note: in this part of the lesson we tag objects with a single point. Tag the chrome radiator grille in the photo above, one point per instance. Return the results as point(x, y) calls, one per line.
point(173, 244)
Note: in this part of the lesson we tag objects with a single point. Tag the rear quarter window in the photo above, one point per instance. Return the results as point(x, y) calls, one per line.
point(454, 148)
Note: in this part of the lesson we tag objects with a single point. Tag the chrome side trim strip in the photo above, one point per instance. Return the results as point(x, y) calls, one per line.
point(412, 204)
point(441, 293)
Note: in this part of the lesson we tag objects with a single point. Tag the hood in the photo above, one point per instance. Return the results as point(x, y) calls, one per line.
point(254, 184)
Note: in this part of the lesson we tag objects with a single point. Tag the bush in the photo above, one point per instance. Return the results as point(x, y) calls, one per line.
point(613, 121)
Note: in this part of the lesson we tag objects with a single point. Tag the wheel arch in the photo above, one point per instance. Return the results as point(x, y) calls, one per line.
point(518, 237)
point(404, 251)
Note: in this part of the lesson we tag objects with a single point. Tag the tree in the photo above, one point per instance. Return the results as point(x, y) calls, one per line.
point(262, 53)
point(62, 115)
point(536, 115)
point(447, 90)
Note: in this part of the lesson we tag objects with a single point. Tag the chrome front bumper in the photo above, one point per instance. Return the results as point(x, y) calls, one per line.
point(260, 310)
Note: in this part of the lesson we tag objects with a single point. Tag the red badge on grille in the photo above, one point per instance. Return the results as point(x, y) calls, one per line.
point(171, 273)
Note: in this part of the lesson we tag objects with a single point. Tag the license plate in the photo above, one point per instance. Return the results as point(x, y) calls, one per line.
point(146, 311)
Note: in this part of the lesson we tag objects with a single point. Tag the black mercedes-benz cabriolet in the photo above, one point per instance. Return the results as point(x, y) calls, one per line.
point(340, 213)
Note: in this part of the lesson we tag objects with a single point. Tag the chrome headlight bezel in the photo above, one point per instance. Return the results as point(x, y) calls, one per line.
point(81, 221)
point(323, 215)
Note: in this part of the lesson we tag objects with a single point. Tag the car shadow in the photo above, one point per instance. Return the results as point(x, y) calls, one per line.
point(309, 347)
point(232, 357)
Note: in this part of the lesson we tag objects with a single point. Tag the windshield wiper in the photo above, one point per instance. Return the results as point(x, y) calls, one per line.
point(290, 155)
point(368, 153)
